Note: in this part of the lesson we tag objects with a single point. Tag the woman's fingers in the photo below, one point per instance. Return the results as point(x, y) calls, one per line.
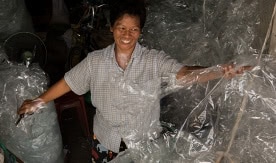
point(26, 107)
point(30, 106)
point(231, 71)
point(247, 68)
point(242, 69)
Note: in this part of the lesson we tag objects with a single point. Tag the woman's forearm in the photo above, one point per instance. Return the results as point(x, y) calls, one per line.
point(191, 75)
point(58, 89)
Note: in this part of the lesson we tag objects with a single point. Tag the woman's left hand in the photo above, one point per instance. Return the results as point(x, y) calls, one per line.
point(230, 70)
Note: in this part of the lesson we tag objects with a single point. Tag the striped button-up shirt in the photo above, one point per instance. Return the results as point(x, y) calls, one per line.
point(127, 101)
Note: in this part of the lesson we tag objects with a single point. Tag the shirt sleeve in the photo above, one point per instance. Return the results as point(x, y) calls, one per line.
point(79, 77)
point(167, 64)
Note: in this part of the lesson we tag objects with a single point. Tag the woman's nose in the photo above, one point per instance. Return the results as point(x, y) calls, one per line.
point(127, 32)
point(127, 35)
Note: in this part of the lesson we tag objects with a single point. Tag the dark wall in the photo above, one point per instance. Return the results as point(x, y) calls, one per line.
point(41, 12)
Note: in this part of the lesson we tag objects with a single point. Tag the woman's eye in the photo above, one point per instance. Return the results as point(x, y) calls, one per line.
point(135, 29)
point(122, 28)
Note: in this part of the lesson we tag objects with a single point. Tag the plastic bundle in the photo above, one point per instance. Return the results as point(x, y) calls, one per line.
point(36, 138)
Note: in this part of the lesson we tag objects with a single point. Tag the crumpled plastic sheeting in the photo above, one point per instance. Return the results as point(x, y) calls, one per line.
point(36, 138)
point(198, 33)
point(14, 17)
point(222, 120)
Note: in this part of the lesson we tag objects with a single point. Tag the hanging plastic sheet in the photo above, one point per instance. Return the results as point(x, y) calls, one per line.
point(35, 138)
point(202, 32)
point(224, 120)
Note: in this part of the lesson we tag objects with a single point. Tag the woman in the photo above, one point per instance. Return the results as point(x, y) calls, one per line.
point(112, 73)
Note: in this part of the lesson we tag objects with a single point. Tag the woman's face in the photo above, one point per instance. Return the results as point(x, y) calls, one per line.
point(126, 32)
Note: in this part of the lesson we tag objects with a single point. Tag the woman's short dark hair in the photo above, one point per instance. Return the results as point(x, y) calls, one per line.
point(132, 7)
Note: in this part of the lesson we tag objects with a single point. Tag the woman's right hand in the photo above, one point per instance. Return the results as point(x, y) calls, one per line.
point(30, 106)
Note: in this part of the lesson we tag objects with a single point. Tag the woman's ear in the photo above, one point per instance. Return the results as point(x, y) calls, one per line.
point(111, 29)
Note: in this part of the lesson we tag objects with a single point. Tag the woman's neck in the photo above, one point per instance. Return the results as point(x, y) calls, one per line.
point(123, 56)
point(123, 59)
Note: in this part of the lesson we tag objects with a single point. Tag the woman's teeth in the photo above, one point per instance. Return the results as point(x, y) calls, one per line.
point(126, 41)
